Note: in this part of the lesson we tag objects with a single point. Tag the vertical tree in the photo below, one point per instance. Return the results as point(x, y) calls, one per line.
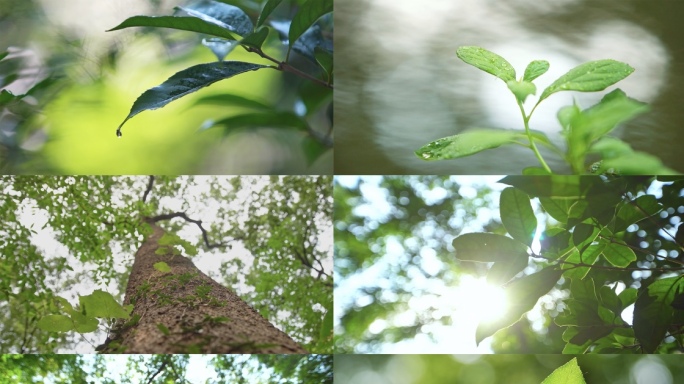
point(92, 226)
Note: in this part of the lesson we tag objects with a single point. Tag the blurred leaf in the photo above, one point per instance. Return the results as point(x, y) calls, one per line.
point(313, 149)
point(535, 69)
point(162, 267)
point(568, 373)
point(262, 119)
point(517, 215)
point(55, 323)
point(269, 6)
point(256, 39)
point(521, 89)
point(233, 101)
point(102, 304)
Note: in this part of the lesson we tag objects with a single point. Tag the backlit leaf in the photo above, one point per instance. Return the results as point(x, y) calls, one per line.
point(55, 323)
point(102, 304)
point(517, 215)
point(589, 77)
point(619, 255)
point(568, 373)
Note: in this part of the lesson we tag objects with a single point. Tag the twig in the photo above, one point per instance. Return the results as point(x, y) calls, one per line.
point(285, 67)
point(149, 188)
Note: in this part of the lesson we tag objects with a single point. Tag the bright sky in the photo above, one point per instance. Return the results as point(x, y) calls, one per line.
point(207, 262)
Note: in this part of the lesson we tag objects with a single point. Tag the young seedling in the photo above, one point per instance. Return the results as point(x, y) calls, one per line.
point(584, 131)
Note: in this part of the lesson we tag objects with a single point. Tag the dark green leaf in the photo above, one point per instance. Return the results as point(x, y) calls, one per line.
point(466, 144)
point(233, 101)
point(308, 13)
point(488, 247)
point(7, 80)
point(653, 311)
point(517, 215)
point(269, 6)
point(183, 23)
point(635, 211)
point(163, 329)
point(487, 61)
point(556, 186)
point(256, 39)
point(262, 119)
point(325, 60)
point(557, 208)
point(185, 82)
point(313, 149)
point(522, 294)
point(4, 54)
point(581, 233)
point(222, 14)
point(535, 69)
point(635, 163)
point(589, 77)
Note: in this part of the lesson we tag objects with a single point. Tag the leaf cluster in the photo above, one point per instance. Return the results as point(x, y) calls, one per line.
point(585, 131)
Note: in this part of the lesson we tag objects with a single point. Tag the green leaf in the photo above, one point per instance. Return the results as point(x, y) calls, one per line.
point(517, 215)
point(183, 23)
point(256, 39)
point(233, 101)
point(588, 256)
point(55, 323)
point(653, 311)
point(581, 233)
point(4, 54)
point(163, 329)
point(487, 247)
point(589, 77)
point(273, 119)
point(557, 208)
point(102, 304)
point(313, 149)
point(185, 82)
point(535, 69)
point(556, 186)
point(487, 61)
point(268, 8)
point(466, 144)
point(522, 294)
point(308, 13)
point(327, 325)
point(521, 89)
point(634, 163)
point(568, 373)
point(325, 60)
point(602, 118)
point(619, 255)
point(162, 267)
point(635, 211)
point(161, 251)
point(222, 14)
point(83, 323)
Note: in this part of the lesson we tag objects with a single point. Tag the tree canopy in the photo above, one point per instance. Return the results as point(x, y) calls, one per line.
point(586, 264)
point(267, 239)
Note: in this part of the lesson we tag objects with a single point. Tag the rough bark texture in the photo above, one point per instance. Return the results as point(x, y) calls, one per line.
point(176, 315)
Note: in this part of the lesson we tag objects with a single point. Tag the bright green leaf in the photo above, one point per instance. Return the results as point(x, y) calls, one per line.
point(466, 144)
point(83, 323)
point(589, 77)
point(568, 373)
point(521, 89)
point(619, 255)
point(522, 295)
point(517, 215)
point(102, 304)
point(55, 323)
point(185, 82)
point(535, 69)
point(162, 267)
point(487, 61)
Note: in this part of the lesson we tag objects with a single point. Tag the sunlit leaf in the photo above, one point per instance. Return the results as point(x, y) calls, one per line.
point(522, 295)
point(589, 77)
point(517, 215)
point(162, 267)
point(619, 255)
point(466, 144)
point(487, 61)
point(568, 373)
point(102, 304)
point(185, 82)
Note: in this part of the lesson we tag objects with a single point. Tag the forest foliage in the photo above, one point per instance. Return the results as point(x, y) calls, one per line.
point(605, 245)
point(66, 240)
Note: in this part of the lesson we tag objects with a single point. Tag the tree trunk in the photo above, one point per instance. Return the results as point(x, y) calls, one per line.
point(185, 311)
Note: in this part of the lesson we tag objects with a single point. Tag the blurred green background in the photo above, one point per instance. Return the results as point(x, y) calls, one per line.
point(68, 126)
point(503, 369)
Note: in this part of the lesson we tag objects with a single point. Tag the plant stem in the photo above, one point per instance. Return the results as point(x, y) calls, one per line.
point(285, 67)
point(526, 121)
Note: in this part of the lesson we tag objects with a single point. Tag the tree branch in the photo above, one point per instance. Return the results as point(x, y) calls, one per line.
point(182, 215)
point(149, 188)
point(161, 368)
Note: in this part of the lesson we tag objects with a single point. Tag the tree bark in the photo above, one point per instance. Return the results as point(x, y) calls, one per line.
point(185, 311)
